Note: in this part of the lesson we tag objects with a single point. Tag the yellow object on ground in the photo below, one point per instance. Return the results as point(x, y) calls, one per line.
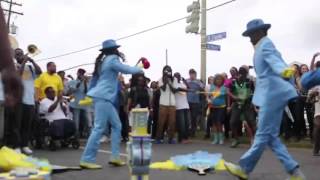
point(220, 166)
point(288, 72)
point(87, 101)
point(170, 165)
point(36, 175)
point(141, 177)
point(167, 165)
point(9, 159)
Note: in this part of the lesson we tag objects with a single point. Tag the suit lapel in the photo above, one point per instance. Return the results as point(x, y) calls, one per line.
point(257, 51)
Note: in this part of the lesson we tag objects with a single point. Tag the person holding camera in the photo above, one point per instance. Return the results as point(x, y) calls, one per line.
point(167, 110)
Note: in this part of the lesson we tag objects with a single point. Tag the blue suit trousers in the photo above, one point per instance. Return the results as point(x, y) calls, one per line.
point(267, 135)
point(105, 113)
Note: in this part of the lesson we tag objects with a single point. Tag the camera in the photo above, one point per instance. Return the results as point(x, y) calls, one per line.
point(167, 73)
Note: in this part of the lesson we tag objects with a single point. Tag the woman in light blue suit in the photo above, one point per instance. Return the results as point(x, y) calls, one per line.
point(103, 91)
point(272, 93)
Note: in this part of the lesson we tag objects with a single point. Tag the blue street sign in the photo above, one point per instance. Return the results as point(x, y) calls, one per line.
point(213, 47)
point(218, 36)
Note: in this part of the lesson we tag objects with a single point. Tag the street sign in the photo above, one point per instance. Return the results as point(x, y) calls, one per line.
point(218, 36)
point(213, 47)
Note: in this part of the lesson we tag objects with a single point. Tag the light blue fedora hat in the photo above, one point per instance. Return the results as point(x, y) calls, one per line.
point(254, 25)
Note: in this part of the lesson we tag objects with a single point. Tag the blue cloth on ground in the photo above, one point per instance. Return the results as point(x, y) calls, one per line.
point(199, 157)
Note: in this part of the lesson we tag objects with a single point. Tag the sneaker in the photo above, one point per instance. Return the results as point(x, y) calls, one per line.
point(236, 171)
point(297, 175)
point(86, 165)
point(235, 144)
point(117, 162)
point(316, 154)
point(215, 139)
point(185, 141)
point(172, 141)
point(159, 142)
point(104, 139)
point(124, 140)
point(221, 139)
point(53, 145)
point(17, 150)
point(26, 150)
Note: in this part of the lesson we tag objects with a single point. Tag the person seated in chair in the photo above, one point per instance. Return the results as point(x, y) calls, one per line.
point(55, 111)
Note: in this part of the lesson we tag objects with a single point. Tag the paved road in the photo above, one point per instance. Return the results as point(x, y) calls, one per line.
point(269, 168)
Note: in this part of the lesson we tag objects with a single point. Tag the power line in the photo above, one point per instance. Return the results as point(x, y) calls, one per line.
point(134, 34)
point(80, 65)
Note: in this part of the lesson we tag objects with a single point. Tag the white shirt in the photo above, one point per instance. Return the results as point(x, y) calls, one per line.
point(28, 77)
point(167, 97)
point(57, 114)
point(181, 97)
point(317, 103)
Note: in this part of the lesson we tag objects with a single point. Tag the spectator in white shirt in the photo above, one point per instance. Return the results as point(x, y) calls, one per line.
point(56, 113)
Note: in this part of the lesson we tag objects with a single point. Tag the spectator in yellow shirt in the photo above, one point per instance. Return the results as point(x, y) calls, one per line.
point(49, 78)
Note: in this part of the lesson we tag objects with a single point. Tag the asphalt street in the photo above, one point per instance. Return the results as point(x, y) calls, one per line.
point(268, 168)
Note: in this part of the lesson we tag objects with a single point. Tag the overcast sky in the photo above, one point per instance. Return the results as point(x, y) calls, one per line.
point(61, 26)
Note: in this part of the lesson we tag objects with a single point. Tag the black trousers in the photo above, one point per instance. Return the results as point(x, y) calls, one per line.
point(1, 124)
point(195, 112)
point(288, 127)
point(18, 121)
point(62, 129)
point(124, 122)
point(155, 118)
point(300, 123)
point(316, 135)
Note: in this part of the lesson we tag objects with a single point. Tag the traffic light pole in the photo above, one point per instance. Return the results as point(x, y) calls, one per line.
point(203, 33)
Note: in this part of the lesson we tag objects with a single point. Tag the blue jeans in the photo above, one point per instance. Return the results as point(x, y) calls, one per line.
point(105, 113)
point(182, 124)
point(77, 117)
point(267, 134)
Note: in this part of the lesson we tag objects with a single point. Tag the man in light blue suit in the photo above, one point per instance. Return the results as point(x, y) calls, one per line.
point(104, 92)
point(272, 93)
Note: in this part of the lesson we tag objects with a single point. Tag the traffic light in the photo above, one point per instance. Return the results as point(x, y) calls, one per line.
point(194, 18)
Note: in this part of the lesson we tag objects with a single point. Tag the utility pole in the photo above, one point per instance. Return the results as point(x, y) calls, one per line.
point(203, 34)
point(10, 11)
point(166, 56)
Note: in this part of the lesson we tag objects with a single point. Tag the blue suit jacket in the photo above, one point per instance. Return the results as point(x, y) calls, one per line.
point(106, 85)
point(270, 86)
